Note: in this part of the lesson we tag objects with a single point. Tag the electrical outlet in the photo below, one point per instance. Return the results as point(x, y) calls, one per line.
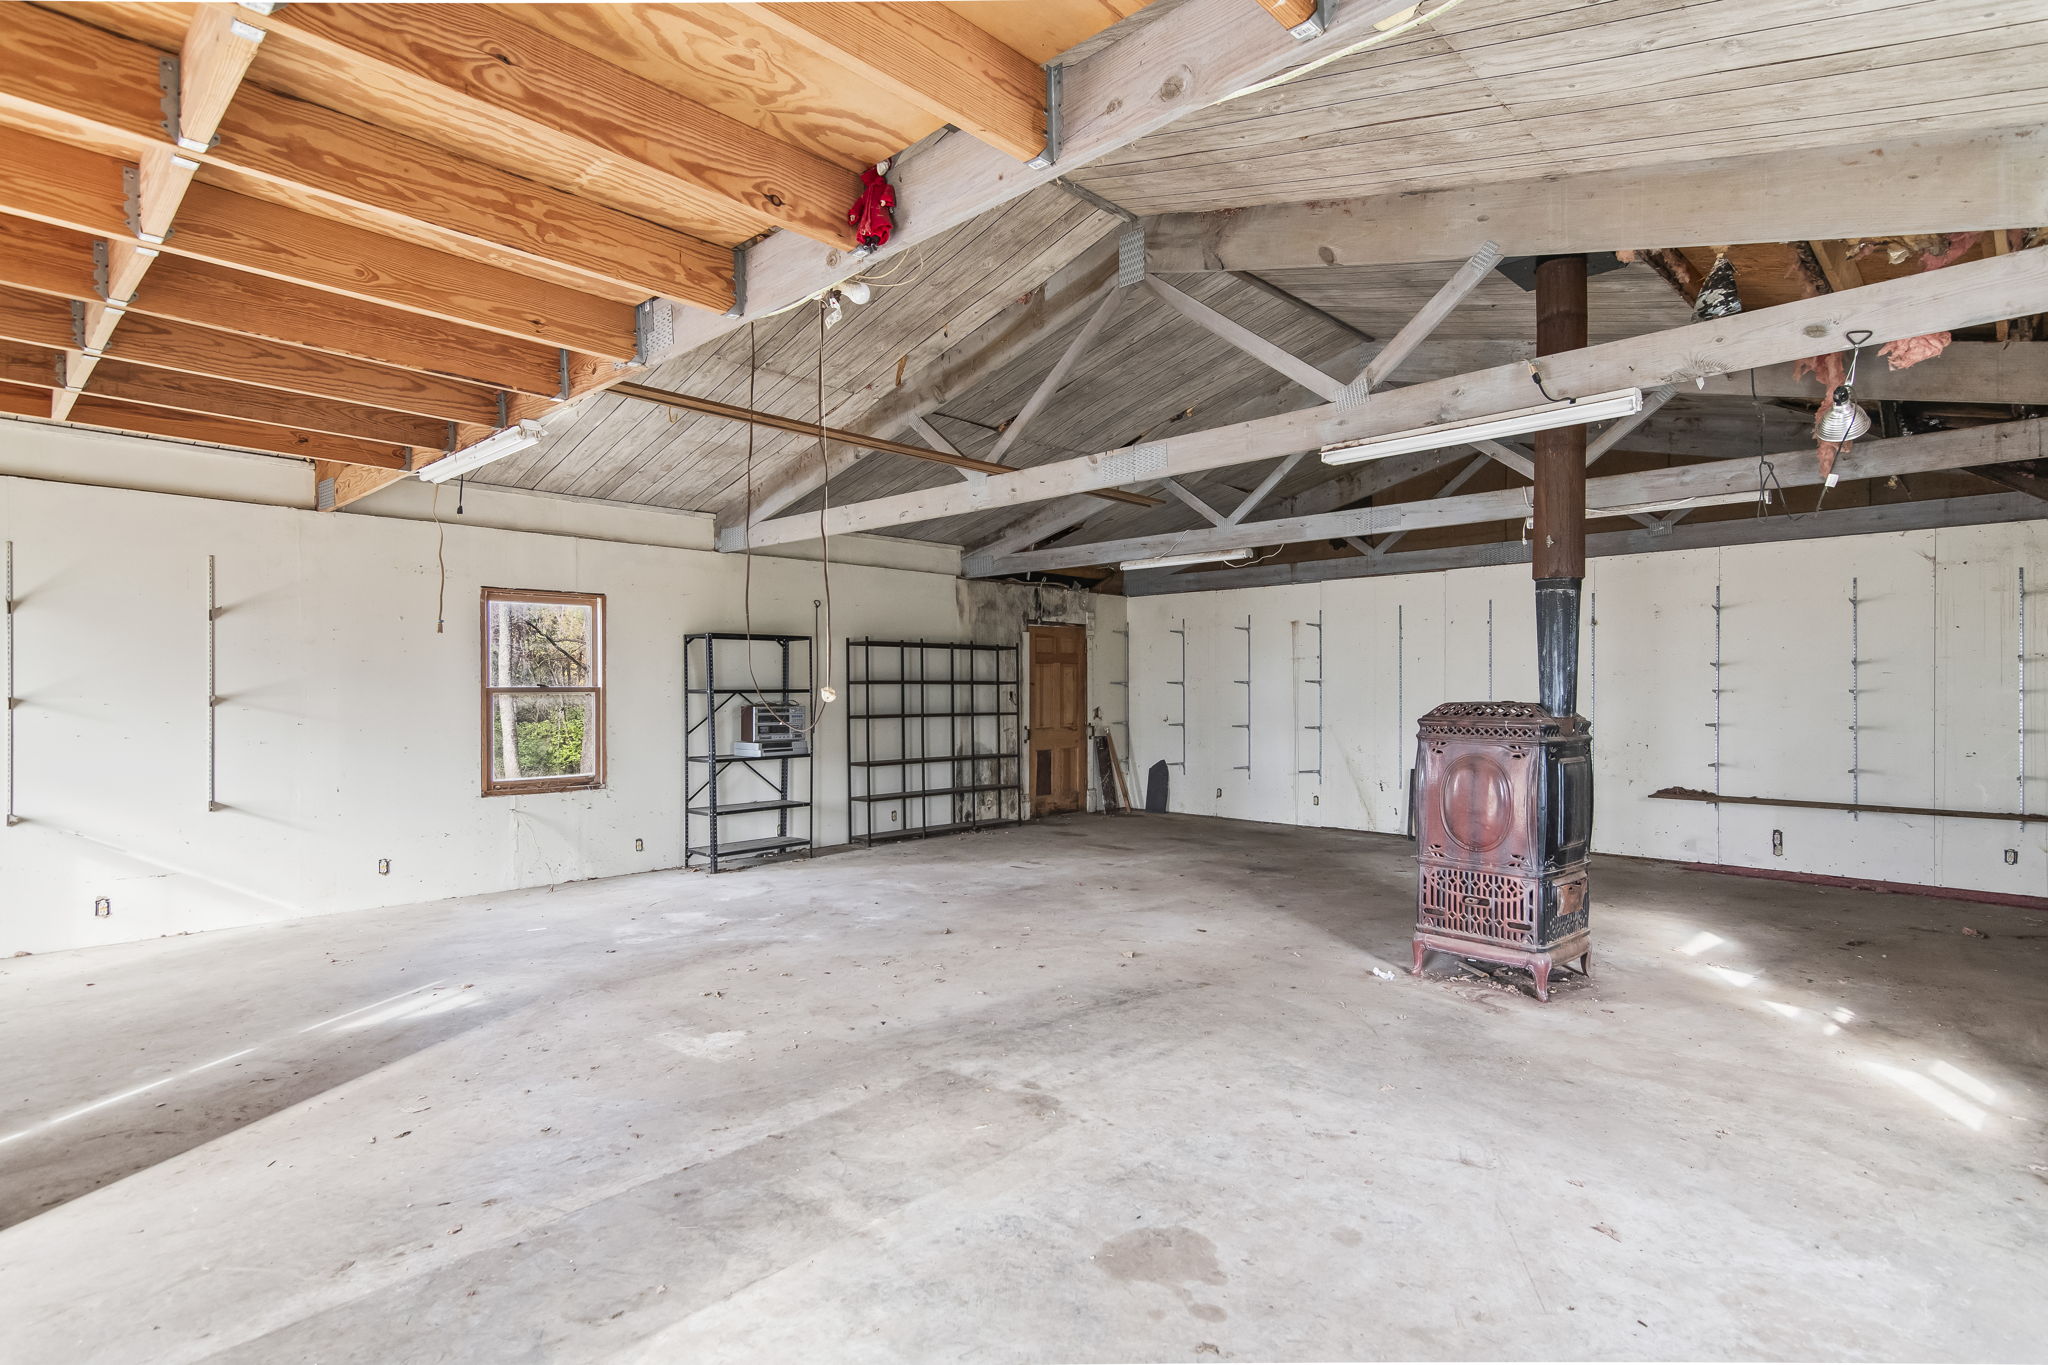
point(892, 817)
point(102, 908)
point(383, 867)
point(1219, 793)
point(1315, 800)
point(639, 845)
point(2012, 857)
point(1778, 842)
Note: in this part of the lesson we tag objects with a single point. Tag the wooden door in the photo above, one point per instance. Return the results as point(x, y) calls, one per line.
point(1057, 750)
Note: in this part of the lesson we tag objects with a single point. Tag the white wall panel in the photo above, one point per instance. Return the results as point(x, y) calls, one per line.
point(349, 727)
point(1939, 705)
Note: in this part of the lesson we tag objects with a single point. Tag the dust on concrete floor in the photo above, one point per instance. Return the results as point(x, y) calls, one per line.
point(1151, 1088)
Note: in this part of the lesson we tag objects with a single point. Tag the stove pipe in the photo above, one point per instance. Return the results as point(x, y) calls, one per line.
point(1557, 644)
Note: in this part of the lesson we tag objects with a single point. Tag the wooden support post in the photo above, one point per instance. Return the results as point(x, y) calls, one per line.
point(1558, 542)
point(1560, 533)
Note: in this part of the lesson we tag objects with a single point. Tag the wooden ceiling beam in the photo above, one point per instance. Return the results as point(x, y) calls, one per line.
point(1290, 14)
point(218, 46)
point(337, 485)
point(45, 321)
point(185, 290)
point(930, 56)
point(272, 407)
point(54, 260)
point(1958, 183)
point(116, 415)
point(69, 186)
point(306, 154)
point(39, 366)
point(1891, 517)
point(1204, 51)
point(317, 158)
point(470, 66)
point(1606, 497)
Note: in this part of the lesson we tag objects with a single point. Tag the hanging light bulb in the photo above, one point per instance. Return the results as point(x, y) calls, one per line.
point(1717, 297)
point(1844, 420)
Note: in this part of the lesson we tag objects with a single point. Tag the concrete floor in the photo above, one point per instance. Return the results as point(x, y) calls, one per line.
point(1133, 1089)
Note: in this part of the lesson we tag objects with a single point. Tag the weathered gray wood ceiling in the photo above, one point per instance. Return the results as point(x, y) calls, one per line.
point(1510, 89)
point(1493, 90)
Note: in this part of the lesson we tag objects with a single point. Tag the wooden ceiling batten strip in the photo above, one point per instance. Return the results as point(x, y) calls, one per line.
point(931, 56)
point(512, 92)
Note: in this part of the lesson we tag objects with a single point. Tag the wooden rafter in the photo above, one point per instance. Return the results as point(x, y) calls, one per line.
point(931, 56)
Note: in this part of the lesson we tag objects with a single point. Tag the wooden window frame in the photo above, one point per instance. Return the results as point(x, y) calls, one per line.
point(494, 786)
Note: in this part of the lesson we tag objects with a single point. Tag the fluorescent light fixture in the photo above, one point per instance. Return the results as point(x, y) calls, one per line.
point(497, 446)
point(1175, 561)
point(1571, 412)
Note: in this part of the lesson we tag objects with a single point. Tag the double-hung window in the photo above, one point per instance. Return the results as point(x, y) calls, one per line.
point(543, 691)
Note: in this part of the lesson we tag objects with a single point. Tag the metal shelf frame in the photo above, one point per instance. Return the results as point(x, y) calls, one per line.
point(933, 738)
point(719, 669)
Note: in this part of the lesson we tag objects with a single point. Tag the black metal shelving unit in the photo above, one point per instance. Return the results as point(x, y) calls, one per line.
point(931, 730)
point(719, 669)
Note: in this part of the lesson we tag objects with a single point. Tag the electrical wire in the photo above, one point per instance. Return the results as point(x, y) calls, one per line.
point(441, 564)
point(826, 692)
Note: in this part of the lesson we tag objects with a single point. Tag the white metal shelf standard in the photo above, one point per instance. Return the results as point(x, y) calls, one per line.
point(1592, 655)
point(2022, 697)
point(1182, 683)
point(1715, 723)
point(1489, 649)
point(13, 818)
point(212, 688)
point(1246, 683)
point(1855, 703)
point(1317, 683)
point(1124, 756)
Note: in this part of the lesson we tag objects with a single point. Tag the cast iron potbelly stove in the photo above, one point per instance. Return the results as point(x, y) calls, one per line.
point(1504, 820)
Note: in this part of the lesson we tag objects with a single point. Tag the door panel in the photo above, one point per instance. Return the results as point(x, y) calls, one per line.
point(1059, 719)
